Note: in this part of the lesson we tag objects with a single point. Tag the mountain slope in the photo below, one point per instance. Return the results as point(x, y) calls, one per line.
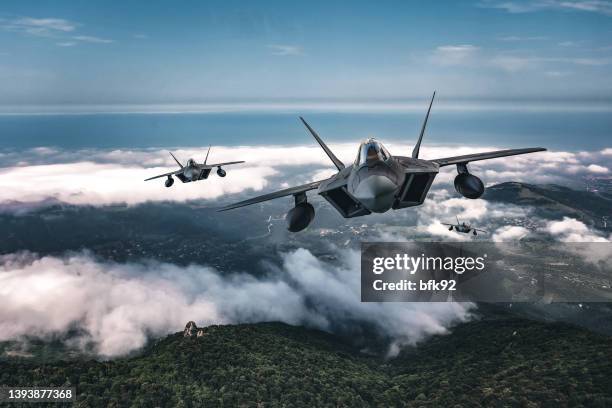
point(507, 361)
point(553, 201)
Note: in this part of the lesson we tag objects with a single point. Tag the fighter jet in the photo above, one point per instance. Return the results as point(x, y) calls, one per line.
point(193, 171)
point(463, 228)
point(377, 181)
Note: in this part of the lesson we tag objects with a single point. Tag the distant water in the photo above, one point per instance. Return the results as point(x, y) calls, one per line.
point(555, 130)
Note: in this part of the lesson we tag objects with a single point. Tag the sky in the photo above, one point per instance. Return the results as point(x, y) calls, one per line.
point(100, 52)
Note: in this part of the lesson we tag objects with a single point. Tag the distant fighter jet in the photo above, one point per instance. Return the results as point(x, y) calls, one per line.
point(377, 181)
point(193, 171)
point(463, 228)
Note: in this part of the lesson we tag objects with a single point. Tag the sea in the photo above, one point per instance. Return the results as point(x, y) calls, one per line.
point(556, 130)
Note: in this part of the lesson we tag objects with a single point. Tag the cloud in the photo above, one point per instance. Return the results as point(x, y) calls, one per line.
point(117, 306)
point(468, 55)
point(91, 39)
point(509, 233)
point(513, 63)
point(530, 6)
point(449, 55)
point(101, 177)
point(437, 229)
point(522, 38)
point(285, 50)
point(594, 168)
point(556, 74)
point(596, 248)
point(444, 206)
point(57, 28)
point(573, 230)
point(85, 183)
point(42, 27)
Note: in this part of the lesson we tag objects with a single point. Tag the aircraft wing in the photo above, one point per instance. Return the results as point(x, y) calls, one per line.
point(447, 161)
point(276, 194)
point(207, 166)
point(172, 173)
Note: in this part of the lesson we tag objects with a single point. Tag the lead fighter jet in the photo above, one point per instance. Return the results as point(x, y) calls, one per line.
point(193, 171)
point(378, 181)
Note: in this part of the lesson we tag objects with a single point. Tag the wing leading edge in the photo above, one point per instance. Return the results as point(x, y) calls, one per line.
point(277, 194)
point(447, 161)
point(210, 166)
point(172, 173)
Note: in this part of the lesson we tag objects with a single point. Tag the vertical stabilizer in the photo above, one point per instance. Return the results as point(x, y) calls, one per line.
point(417, 147)
point(339, 165)
point(207, 153)
point(177, 162)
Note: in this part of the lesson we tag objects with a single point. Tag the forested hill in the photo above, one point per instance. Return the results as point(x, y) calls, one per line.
point(553, 201)
point(501, 362)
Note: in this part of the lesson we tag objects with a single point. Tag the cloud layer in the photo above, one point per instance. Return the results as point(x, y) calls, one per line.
point(117, 306)
point(101, 177)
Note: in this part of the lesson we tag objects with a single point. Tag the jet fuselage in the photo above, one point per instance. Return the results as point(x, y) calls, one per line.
point(378, 182)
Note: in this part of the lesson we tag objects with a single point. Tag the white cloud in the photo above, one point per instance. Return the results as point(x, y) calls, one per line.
point(437, 229)
point(509, 233)
point(118, 305)
point(594, 168)
point(42, 27)
point(556, 74)
point(449, 55)
point(530, 6)
point(102, 184)
point(91, 39)
point(472, 56)
point(522, 38)
point(57, 28)
point(595, 248)
point(285, 50)
point(572, 230)
point(116, 176)
point(512, 63)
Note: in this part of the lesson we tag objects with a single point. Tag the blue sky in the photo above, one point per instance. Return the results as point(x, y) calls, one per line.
point(102, 52)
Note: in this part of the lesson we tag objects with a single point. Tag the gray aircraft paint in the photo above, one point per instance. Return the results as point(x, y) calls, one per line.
point(193, 171)
point(378, 181)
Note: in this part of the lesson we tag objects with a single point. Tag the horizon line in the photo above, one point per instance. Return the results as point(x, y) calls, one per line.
point(379, 106)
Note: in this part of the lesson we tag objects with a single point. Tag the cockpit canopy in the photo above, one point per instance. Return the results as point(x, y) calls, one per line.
point(370, 152)
point(191, 163)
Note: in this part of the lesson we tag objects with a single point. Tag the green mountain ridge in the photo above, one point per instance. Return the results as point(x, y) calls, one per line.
point(494, 361)
point(554, 201)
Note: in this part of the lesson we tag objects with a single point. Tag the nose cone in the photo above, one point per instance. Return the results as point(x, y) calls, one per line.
point(376, 193)
point(191, 174)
